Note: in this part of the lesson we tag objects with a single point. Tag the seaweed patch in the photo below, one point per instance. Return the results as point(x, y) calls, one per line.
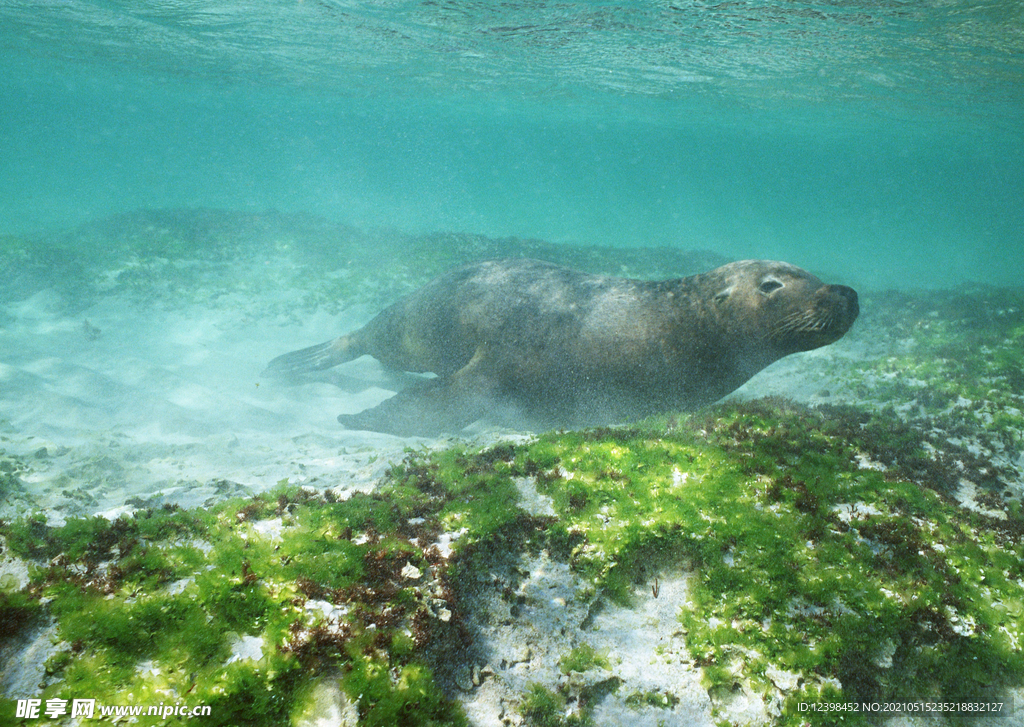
point(827, 563)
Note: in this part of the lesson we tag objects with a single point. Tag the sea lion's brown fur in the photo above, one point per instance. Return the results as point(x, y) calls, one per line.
point(561, 347)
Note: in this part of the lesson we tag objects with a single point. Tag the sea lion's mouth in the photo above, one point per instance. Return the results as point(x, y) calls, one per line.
point(832, 311)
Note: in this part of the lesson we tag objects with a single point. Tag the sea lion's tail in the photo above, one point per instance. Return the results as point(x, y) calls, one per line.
point(315, 358)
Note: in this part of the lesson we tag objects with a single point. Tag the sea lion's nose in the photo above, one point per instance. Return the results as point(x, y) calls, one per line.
point(842, 301)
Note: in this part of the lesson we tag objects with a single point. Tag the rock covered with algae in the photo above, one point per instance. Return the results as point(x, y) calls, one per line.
point(775, 555)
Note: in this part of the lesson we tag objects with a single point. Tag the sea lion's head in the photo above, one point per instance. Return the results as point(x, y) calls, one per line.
point(785, 307)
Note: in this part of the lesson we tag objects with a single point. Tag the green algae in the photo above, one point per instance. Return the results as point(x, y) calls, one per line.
point(11, 471)
point(822, 545)
point(661, 700)
point(209, 581)
point(543, 707)
point(17, 608)
point(781, 577)
point(582, 658)
point(868, 584)
point(955, 364)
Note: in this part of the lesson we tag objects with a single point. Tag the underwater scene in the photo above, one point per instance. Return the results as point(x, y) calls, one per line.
point(524, 363)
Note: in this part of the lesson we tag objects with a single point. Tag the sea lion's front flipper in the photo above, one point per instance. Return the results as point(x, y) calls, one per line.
point(432, 407)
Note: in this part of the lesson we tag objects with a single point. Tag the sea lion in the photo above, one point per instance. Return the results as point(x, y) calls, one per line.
point(520, 338)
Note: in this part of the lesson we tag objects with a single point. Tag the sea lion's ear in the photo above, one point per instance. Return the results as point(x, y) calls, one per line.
point(723, 294)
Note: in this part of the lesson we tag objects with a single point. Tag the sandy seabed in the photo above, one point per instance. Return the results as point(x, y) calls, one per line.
point(123, 405)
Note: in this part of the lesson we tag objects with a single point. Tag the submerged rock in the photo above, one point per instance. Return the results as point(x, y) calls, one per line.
point(727, 566)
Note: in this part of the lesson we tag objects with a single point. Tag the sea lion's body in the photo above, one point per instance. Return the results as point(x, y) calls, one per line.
point(563, 347)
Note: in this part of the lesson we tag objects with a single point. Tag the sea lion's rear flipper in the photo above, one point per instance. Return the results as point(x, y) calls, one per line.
point(315, 358)
point(432, 407)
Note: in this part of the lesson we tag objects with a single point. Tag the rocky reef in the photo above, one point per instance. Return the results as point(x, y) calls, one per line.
point(824, 561)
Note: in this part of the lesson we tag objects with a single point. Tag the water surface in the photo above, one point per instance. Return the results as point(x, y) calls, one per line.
point(878, 140)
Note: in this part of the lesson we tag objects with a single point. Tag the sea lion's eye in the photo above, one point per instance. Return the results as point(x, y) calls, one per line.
point(769, 286)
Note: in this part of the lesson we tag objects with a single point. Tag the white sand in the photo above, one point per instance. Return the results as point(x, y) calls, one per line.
point(144, 404)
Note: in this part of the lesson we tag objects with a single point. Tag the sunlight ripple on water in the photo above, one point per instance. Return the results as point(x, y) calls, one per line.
point(751, 49)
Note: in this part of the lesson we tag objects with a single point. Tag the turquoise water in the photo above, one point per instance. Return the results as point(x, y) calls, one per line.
point(878, 142)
